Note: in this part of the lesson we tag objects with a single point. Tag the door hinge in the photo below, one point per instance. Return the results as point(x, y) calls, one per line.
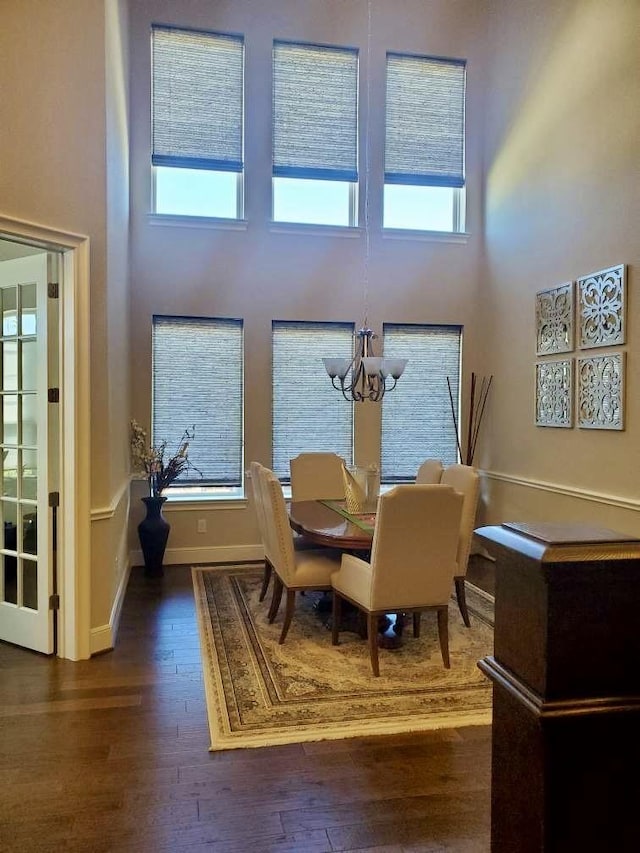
point(53, 395)
point(54, 498)
point(53, 291)
point(54, 602)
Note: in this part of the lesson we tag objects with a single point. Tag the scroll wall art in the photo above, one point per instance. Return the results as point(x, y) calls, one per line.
point(600, 306)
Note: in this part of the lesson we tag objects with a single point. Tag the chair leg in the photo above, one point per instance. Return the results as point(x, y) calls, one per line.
point(416, 623)
point(372, 634)
point(443, 633)
point(336, 616)
point(288, 614)
point(276, 598)
point(266, 577)
point(462, 600)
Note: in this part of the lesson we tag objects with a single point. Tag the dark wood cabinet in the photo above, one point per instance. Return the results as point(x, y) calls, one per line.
point(566, 689)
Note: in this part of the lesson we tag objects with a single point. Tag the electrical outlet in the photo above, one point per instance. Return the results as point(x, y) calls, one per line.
point(202, 525)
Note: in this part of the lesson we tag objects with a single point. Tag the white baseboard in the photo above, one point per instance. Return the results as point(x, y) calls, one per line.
point(207, 554)
point(103, 638)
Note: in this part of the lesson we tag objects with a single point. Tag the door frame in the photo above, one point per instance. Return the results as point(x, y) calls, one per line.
point(74, 514)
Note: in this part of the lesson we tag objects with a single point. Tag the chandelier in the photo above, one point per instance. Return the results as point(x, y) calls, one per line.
point(366, 376)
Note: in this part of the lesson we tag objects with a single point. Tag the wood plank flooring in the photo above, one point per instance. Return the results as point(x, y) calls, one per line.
point(112, 754)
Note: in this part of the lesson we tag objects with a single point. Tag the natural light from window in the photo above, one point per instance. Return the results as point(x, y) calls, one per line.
point(197, 192)
point(420, 208)
point(312, 202)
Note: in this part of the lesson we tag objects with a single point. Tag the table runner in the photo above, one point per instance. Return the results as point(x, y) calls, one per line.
point(363, 520)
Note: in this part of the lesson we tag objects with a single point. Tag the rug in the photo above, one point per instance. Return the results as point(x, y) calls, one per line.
point(262, 694)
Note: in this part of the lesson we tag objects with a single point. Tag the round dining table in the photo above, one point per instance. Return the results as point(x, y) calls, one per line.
point(323, 525)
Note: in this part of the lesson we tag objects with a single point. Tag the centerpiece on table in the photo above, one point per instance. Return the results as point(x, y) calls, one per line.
point(160, 472)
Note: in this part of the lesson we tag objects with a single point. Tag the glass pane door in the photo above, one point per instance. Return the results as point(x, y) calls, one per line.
point(25, 575)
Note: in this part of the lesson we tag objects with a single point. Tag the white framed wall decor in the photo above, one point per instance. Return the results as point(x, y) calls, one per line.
point(602, 308)
point(554, 393)
point(555, 319)
point(601, 391)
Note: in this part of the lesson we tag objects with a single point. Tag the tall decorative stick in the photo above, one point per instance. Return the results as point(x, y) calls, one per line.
point(453, 415)
point(476, 413)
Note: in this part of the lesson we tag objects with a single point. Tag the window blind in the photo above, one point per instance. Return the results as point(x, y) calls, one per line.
point(416, 415)
point(197, 99)
point(424, 137)
point(308, 413)
point(197, 379)
point(315, 112)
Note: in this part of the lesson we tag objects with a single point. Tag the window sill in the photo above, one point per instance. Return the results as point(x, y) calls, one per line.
point(426, 236)
point(213, 222)
point(218, 499)
point(350, 231)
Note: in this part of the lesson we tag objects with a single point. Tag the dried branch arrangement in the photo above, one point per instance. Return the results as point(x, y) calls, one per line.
point(476, 413)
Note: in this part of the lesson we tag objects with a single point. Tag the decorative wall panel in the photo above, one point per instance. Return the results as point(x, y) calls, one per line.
point(554, 320)
point(601, 308)
point(601, 391)
point(554, 393)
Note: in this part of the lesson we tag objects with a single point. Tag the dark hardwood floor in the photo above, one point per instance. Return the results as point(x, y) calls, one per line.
point(112, 754)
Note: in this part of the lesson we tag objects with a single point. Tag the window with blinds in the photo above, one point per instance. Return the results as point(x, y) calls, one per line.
point(416, 416)
point(424, 169)
point(197, 122)
point(198, 381)
point(315, 133)
point(308, 413)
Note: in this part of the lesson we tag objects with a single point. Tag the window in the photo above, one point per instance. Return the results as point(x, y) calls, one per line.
point(424, 143)
point(416, 416)
point(197, 123)
point(197, 380)
point(315, 134)
point(308, 413)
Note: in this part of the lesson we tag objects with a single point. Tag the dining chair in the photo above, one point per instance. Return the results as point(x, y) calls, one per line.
point(294, 571)
point(429, 472)
point(315, 476)
point(255, 493)
point(464, 479)
point(413, 560)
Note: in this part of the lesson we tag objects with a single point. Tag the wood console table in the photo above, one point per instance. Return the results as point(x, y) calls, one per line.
point(566, 689)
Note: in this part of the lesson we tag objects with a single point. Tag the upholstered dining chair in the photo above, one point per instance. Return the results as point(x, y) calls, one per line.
point(413, 560)
point(294, 571)
point(464, 479)
point(255, 494)
point(429, 472)
point(315, 476)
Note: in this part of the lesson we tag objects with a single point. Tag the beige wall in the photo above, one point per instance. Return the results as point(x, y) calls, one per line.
point(562, 200)
point(63, 164)
point(260, 274)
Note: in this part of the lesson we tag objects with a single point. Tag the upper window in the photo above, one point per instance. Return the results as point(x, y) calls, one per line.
point(197, 123)
point(308, 413)
point(417, 422)
point(424, 143)
point(315, 134)
point(197, 381)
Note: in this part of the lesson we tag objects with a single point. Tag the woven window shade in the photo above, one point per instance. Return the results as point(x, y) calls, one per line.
point(197, 99)
point(416, 416)
point(315, 112)
point(424, 138)
point(197, 379)
point(308, 413)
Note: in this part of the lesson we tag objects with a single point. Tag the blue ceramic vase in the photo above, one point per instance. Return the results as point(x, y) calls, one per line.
point(153, 532)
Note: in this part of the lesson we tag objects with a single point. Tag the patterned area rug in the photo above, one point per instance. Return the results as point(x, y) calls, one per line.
point(262, 694)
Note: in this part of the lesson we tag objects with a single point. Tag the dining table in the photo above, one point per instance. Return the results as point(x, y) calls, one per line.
point(329, 523)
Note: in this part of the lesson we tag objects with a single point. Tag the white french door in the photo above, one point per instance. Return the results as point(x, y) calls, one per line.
point(29, 431)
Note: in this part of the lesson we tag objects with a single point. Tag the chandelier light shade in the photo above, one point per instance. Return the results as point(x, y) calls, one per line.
point(366, 376)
